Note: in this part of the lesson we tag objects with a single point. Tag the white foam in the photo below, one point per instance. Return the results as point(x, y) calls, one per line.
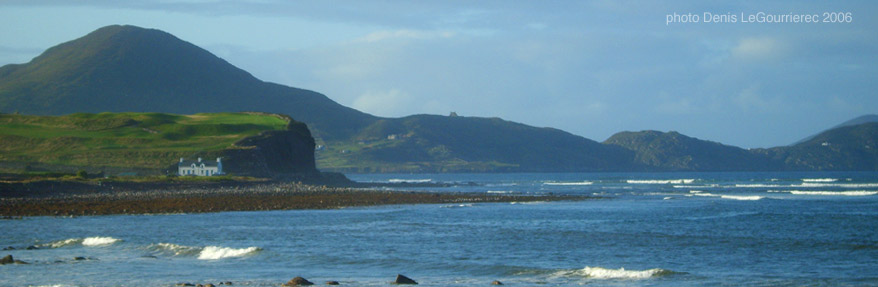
point(62, 243)
point(400, 180)
point(837, 193)
point(663, 181)
point(742, 197)
point(98, 241)
point(217, 252)
point(760, 185)
point(457, 205)
point(501, 191)
point(696, 186)
point(724, 196)
point(568, 183)
point(841, 185)
point(819, 179)
point(176, 249)
point(621, 273)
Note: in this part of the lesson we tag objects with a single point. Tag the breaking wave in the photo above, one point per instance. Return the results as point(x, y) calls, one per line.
point(217, 252)
point(621, 273)
point(822, 192)
point(724, 196)
point(204, 253)
point(663, 181)
point(568, 183)
point(819, 179)
point(841, 185)
point(400, 180)
point(88, 241)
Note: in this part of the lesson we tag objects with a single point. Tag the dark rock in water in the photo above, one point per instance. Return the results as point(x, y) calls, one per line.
point(32, 247)
point(79, 258)
point(332, 283)
point(209, 285)
point(226, 283)
point(9, 248)
point(496, 282)
point(298, 281)
point(7, 260)
point(185, 284)
point(401, 279)
point(20, 262)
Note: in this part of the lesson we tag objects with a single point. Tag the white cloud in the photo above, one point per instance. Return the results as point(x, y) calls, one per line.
point(392, 102)
point(758, 48)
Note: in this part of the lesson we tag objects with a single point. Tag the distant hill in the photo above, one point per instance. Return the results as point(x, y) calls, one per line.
point(676, 152)
point(856, 121)
point(152, 143)
point(449, 144)
point(848, 147)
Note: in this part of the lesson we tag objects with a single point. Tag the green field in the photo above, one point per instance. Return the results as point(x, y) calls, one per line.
point(119, 141)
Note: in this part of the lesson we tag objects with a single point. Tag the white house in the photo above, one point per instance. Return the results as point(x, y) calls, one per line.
point(199, 168)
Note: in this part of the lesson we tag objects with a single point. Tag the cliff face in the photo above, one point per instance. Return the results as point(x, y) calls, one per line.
point(273, 153)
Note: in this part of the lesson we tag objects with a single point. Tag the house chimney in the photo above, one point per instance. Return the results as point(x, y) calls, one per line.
point(218, 159)
point(199, 159)
point(181, 160)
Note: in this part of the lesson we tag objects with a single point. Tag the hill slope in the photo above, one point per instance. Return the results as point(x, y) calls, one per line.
point(151, 143)
point(855, 121)
point(430, 143)
point(849, 147)
point(131, 69)
point(677, 152)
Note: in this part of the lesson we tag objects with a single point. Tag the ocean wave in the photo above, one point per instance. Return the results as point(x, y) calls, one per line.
point(725, 196)
point(218, 252)
point(760, 185)
point(819, 179)
point(203, 253)
point(457, 205)
point(826, 192)
point(621, 273)
point(696, 186)
point(841, 185)
point(502, 191)
point(662, 181)
point(88, 241)
point(568, 183)
point(401, 180)
point(99, 241)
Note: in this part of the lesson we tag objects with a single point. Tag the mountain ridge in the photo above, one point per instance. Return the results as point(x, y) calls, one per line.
point(132, 69)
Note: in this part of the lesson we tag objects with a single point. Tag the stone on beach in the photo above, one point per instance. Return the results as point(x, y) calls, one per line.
point(298, 281)
point(332, 283)
point(496, 282)
point(7, 260)
point(402, 279)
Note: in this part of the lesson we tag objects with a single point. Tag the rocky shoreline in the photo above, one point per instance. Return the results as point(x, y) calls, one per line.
point(76, 199)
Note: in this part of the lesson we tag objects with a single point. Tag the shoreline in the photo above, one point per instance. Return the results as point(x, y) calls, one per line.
point(170, 198)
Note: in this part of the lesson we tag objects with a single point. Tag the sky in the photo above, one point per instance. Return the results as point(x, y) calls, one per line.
point(592, 68)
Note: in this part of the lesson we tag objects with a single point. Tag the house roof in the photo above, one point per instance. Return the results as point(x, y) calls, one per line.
point(205, 162)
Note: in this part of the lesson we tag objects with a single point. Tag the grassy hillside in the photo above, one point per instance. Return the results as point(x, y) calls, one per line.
point(119, 141)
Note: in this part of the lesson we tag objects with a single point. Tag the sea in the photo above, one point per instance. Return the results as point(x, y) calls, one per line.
point(638, 229)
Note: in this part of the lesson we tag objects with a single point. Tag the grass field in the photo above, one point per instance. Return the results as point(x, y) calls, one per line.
point(125, 140)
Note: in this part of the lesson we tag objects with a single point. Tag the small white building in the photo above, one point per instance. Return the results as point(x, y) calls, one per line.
point(199, 168)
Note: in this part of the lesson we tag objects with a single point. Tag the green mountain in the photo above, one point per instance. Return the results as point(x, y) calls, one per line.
point(131, 69)
point(848, 147)
point(676, 152)
point(152, 143)
point(855, 121)
point(451, 143)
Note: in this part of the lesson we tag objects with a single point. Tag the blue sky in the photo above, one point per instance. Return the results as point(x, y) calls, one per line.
point(592, 68)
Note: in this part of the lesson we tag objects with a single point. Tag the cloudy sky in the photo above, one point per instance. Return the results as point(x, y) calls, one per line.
point(592, 68)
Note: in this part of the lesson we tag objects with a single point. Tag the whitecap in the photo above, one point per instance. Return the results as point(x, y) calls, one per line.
point(218, 252)
point(99, 241)
point(62, 243)
point(759, 185)
point(400, 180)
point(501, 191)
point(665, 181)
point(568, 183)
point(742, 197)
point(841, 185)
point(175, 248)
point(621, 273)
point(457, 205)
point(819, 179)
point(842, 193)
